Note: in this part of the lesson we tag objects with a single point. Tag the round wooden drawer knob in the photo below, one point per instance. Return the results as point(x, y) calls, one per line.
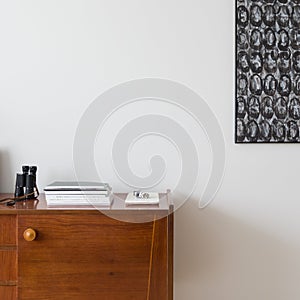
point(29, 235)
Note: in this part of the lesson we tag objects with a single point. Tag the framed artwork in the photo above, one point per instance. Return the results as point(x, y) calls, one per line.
point(267, 71)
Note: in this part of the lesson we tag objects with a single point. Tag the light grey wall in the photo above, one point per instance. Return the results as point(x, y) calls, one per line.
point(57, 56)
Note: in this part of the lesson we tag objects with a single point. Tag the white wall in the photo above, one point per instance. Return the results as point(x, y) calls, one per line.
point(57, 56)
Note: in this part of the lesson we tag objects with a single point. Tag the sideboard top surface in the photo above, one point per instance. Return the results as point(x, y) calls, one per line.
point(118, 206)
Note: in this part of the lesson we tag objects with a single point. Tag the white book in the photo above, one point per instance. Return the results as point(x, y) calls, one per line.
point(78, 200)
point(96, 205)
point(99, 193)
point(77, 186)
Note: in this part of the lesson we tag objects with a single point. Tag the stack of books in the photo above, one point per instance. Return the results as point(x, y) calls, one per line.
point(78, 193)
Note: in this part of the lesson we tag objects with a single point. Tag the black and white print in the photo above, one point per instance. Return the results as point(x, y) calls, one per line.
point(267, 71)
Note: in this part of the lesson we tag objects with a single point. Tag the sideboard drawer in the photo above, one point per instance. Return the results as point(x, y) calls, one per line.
point(8, 230)
point(83, 256)
point(8, 263)
point(8, 292)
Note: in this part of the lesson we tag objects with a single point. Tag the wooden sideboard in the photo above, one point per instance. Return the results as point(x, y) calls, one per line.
point(83, 253)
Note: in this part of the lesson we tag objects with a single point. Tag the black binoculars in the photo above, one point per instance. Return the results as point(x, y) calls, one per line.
point(26, 183)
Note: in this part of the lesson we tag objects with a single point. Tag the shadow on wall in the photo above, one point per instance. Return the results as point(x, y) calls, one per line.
point(6, 176)
point(219, 257)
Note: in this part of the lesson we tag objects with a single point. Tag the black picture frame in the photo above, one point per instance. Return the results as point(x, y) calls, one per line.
point(267, 71)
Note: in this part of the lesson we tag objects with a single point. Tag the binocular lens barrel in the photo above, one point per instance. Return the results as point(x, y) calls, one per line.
point(20, 183)
point(33, 170)
point(30, 180)
point(26, 182)
point(25, 169)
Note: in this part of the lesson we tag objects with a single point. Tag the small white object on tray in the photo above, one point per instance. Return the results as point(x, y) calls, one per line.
point(131, 199)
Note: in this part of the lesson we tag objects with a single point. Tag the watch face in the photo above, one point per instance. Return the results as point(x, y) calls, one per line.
point(253, 107)
point(256, 62)
point(267, 71)
point(296, 61)
point(265, 130)
point(269, 15)
point(270, 39)
point(294, 109)
point(252, 131)
point(256, 15)
point(267, 110)
point(241, 107)
point(278, 130)
point(284, 62)
point(280, 108)
point(270, 85)
point(297, 85)
point(284, 85)
point(243, 61)
point(255, 84)
point(283, 40)
point(241, 130)
point(296, 16)
point(270, 61)
point(283, 16)
point(256, 41)
point(242, 84)
point(242, 16)
point(295, 39)
point(292, 131)
point(242, 39)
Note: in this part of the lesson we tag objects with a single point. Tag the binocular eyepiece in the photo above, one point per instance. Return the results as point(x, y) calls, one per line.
point(26, 183)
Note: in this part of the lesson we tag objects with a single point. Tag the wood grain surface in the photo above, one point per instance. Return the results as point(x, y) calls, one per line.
point(8, 265)
point(8, 292)
point(91, 256)
point(8, 230)
point(86, 254)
